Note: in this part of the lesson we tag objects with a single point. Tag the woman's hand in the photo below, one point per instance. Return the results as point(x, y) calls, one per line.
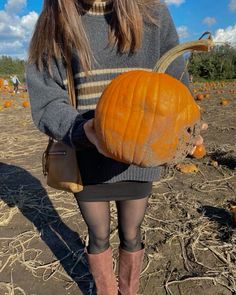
point(92, 137)
point(199, 139)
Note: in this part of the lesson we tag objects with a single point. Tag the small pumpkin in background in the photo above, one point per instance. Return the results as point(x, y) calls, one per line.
point(199, 151)
point(224, 102)
point(187, 168)
point(25, 104)
point(200, 96)
point(149, 118)
point(7, 104)
point(24, 95)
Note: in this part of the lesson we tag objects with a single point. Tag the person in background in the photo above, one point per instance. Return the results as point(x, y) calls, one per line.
point(191, 78)
point(5, 83)
point(15, 81)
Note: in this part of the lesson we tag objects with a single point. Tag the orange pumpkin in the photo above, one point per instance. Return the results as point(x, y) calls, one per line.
point(200, 96)
point(24, 95)
point(187, 168)
point(7, 104)
point(199, 152)
point(25, 104)
point(146, 118)
point(224, 102)
point(145, 124)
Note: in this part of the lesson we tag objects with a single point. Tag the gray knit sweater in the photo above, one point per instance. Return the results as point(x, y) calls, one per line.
point(53, 115)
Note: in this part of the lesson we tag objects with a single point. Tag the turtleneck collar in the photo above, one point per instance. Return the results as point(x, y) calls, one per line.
point(97, 8)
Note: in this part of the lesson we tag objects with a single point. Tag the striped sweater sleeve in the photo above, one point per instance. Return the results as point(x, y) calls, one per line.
point(51, 111)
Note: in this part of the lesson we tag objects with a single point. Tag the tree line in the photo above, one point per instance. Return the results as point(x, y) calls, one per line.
point(219, 64)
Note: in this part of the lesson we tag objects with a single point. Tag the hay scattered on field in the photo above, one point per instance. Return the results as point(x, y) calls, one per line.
point(10, 289)
point(6, 214)
point(187, 229)
point(196, 236)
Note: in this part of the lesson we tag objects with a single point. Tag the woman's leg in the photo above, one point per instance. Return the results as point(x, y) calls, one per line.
point(131, 251)
point(97, 218)
point(99, 253)
point(130, 217)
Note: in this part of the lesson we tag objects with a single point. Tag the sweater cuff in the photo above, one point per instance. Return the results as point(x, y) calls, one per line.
point(78, 138)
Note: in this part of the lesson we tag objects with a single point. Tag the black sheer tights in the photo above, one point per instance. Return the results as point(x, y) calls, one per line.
point(97, 217)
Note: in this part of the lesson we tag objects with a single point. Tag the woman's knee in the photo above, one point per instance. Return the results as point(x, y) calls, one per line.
point(99, 240)
point(130, 240)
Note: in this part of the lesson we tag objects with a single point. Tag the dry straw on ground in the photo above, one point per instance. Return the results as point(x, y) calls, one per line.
point(188, 231)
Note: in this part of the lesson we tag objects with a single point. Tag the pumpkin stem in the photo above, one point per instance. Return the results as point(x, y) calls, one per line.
point(199, 45)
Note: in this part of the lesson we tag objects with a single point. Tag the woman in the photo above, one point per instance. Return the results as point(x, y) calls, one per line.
point(98, 41)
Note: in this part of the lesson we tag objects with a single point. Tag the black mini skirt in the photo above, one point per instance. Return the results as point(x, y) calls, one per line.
point(125, 190)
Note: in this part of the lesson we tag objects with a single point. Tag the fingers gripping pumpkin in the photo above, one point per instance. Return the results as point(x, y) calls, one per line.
point(149, 118)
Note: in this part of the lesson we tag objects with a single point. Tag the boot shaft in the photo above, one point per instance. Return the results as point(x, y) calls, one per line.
point(130, 266)
point(101, 267)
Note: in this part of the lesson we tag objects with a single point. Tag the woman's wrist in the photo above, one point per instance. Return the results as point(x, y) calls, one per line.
point(79, 138)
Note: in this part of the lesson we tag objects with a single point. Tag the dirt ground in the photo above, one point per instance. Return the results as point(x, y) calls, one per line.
point(188, 228)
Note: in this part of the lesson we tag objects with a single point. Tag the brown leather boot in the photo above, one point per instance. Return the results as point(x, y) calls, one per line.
point(101, 267)
point(130, 266)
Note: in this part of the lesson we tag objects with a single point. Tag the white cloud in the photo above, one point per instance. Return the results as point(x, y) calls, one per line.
point(28, 21)
point(183, 32)
point(226, 35)
point(232, 5)
point(15, 30)
point(174, 2)
point(209, 20)
point(15, 6)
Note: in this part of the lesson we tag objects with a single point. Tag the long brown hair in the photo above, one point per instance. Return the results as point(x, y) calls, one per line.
point(59, 29)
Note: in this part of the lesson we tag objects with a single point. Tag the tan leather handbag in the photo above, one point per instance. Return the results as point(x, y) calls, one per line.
point(59, 161)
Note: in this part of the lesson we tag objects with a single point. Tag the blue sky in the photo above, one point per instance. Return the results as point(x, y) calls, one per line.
point(192, 18)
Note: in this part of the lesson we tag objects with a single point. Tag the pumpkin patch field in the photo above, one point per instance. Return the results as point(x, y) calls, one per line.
point(189, 228)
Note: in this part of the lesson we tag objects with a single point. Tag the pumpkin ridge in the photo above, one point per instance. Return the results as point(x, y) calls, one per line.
point(156, 110)
point(130, 113)
point(137, 134)
point(120, 149)
point(107, 105)
point(102, 128)
point(145, 150)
